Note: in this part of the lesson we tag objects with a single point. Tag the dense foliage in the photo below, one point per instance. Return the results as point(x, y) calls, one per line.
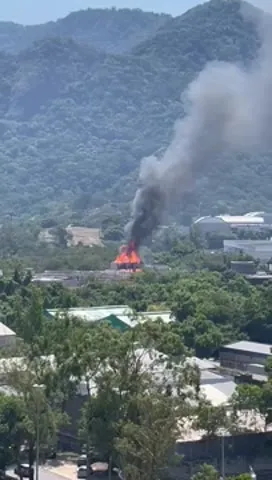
point(111, 30)
point(132, 405)
point(133, 416)
point(75, 121)
point(212, 304)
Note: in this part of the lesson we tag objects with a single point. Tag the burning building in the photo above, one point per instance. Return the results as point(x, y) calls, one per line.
point(128, 259)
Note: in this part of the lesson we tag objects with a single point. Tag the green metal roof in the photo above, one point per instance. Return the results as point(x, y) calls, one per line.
point(121, 312)
point(93, 314)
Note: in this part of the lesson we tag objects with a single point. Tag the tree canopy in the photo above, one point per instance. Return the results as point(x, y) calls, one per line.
point(76, 120)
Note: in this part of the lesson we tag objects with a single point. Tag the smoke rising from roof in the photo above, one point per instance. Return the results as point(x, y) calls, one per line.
point(229, 109)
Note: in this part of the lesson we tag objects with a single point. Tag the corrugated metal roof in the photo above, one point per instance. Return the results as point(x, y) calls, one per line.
point(218, 394)
point(129, 320)
point(94, 314)
point(123, 312)
point(208, 219)
point(165, 316)
point(207, 376)
point(253, 347)
point(202, 363)
point(249, 243)
point(255, 214)
point(241, 219)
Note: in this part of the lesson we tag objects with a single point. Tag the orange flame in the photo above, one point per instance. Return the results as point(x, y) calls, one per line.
point(128, 256)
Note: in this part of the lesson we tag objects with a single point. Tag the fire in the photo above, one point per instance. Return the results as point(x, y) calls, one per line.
point(128, 259)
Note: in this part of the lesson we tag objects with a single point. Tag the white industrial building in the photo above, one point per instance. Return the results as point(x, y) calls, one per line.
point(257, 249)
point(225, 224)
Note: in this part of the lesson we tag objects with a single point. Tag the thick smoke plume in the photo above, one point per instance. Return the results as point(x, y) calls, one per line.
point(229, 110)
point(265, 5)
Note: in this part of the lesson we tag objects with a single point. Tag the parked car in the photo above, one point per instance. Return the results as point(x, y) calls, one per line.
point(82, 471)
point(98, 470)
point(24, 471)
point(82, 460)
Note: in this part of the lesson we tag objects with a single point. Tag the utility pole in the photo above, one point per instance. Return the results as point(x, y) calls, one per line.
point(223, 456)
point(109, 468)
point(38, 389)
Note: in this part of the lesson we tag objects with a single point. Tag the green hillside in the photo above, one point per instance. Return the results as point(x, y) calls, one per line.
point(76, 122)
point(111, 30)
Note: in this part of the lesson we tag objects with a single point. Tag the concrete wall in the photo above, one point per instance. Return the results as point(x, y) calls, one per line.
point(7, 340)
point(240, 451)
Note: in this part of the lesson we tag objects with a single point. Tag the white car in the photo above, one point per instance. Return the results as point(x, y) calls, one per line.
point(98, 470)
point(82, 471)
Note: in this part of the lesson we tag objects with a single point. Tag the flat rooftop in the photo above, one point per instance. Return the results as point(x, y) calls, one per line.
point(254, 347)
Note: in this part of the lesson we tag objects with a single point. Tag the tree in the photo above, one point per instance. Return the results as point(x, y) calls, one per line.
point(207, 472)
point(31, 325)
point(39, 412)
point(61, 235)
point(11, 429)
point(210, 419)
point(17, 276)
point(248, 401)
point(144, 445)
point(142, 395)
point(243, 476)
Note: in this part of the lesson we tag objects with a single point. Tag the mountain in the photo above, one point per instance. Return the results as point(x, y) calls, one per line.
point(75, 122)
point(213, 30)
point(110, 30)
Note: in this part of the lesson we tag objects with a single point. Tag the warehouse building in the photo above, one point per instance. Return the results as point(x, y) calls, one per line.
point(249, 357)
point(257, 249)
point(226, 224)
point(120, 317)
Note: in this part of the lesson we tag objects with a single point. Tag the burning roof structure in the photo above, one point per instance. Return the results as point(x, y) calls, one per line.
point(128, 258)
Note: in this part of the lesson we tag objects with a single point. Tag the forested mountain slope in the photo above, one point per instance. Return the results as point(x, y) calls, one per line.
point(75, 122)
point(112, 30)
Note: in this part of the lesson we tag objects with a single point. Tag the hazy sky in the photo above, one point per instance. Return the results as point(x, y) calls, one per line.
point(39, 11)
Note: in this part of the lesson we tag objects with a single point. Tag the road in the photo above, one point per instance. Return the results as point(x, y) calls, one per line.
point(44, 474)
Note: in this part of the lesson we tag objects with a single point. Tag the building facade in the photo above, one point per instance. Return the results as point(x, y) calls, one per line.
point(245, 356)
point(227, 224)
point(257, 249)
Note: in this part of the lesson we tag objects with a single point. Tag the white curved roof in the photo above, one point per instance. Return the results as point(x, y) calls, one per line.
point(209, 219)
point(241, 219)
point(233, 219)
point(254, 214)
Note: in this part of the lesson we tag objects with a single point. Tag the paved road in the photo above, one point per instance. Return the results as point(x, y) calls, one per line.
point(44, 474)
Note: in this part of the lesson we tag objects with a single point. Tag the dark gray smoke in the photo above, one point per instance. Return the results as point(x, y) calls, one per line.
point(229, 110)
